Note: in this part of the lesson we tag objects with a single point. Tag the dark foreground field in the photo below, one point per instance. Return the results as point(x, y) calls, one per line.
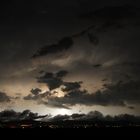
point(69, 124)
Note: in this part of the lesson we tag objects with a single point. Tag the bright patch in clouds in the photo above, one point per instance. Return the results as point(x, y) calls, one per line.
point(62, 111)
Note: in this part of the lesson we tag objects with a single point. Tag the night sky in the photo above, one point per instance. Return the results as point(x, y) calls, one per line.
point(70, 56)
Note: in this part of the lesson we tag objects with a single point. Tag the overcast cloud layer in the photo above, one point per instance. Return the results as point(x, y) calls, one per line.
point(68, 53)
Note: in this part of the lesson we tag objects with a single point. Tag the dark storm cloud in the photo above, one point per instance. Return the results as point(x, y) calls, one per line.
point(114, 20)
point(52, 83)
point(131, 68)
point(96, 43)
point(53, 80)
point(47, 75)
point(124, 91)
point(11, 115)
point(53, 104)
point(59, 118)
point(43, 99)
point(61, 74)
point(66, 43)
point(94, 116)
point(37, 97)
point(113, 94)
point(97, 65)
point(63, 45)
point(50, 79)
point(70, 86)
point(119, 94)
point(4, 97)
point(84, 32)
point(89, 116)
point(84, 98)
point(131, 107)
point(50, 49)
point(36, 91)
